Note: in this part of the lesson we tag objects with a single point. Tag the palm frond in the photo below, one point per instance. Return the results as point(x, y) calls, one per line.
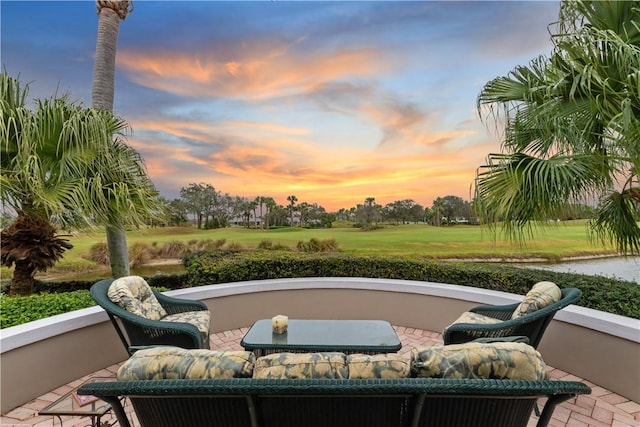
point(617, 221)
point(517, 190)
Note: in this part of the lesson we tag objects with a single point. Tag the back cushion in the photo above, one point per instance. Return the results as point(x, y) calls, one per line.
point(377, 366)
point(301, 365)
point(501, 360)
point(166, 362)
point(133, 294)
point(541, 295)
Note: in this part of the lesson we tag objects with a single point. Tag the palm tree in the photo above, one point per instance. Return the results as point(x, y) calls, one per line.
point(60, 165)
point(260, 201)
point(369, 204)
point(572, 128)
point(438, 207)
point(110, 12)
point(292, 203)
point(253, 205)
point(270, 204)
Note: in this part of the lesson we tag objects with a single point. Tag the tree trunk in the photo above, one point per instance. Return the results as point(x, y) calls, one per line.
point(102, 93)
point(23, 278)
point(105, 62)
point(118, 252)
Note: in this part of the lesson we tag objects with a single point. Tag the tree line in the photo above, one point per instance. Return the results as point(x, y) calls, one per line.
point(204, 206)
point(207, 207)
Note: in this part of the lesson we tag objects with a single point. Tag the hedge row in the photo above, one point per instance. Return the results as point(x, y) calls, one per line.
point(224, 266)
point(599, 293)
point(19, 310)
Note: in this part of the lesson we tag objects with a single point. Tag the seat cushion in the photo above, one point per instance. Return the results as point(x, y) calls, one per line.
point(377, 366)
point(200, 319)
point(541, 295)
point(301, 365)
point(501, 360)
point(133, 294)
point(165, 362)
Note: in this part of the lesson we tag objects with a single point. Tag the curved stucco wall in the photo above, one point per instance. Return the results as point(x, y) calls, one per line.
point(43, 355)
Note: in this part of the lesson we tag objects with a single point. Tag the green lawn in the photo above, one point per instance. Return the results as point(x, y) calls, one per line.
point(563, 240)
point(461, 241)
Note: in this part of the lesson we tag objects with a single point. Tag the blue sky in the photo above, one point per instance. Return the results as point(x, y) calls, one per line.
point(332, 102)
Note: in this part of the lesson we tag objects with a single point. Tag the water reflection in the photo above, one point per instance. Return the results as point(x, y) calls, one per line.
point(622, 268)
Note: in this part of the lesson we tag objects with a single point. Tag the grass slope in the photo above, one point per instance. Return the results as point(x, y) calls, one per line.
point(557, 241)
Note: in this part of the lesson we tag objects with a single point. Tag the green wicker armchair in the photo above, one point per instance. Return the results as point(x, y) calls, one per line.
point(404, 402)
point(142, 332)
point(531, 325)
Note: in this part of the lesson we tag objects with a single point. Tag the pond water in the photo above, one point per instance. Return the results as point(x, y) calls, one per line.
point(622, 268)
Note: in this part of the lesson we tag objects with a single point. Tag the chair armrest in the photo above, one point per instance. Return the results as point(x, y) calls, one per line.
point(457, 333)
point(173, 327)
point(515, 338)
point(178, 305)
point(502, 312)
point(189, 331)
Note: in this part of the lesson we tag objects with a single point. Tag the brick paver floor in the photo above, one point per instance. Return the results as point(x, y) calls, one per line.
point(600, 408)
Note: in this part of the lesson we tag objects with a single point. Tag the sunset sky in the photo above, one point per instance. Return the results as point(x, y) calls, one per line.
point(332, 102)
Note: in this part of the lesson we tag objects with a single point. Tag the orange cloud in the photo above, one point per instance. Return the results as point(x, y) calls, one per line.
point(253, 75)
point(266, 126)
point(251, 158)
point(251, 170)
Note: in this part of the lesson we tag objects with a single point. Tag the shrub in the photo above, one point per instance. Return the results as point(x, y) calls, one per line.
point(17, 310)
point(139, 254)
point(280, 247)
point(173, 249)
point(207, 245)
point(599, 293)
point(227, 265)
point(153, 249)
point(99, 253)
point(234, 245)
point(316, 245)
point(329, 245)
point(265, 244)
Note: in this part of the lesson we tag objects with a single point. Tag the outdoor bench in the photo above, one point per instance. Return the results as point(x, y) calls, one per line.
point(400, 402)
point(492, 384)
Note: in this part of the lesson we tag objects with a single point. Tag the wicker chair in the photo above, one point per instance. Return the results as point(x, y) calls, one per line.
point(143, 332)
point(531, 325)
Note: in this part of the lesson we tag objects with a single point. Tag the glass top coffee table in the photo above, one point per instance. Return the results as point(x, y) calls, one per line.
point(311, 335)
point(80, 406)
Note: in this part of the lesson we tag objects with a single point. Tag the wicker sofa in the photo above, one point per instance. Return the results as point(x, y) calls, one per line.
point(318, 402)
point(176, 387)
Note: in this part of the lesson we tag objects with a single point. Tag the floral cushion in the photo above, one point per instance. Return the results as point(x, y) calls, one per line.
point(166, 362)
point(133, 294)
point(377, 366)
point(301, 365)
point(200, 319)
point(541, 295)
point(503, 360)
